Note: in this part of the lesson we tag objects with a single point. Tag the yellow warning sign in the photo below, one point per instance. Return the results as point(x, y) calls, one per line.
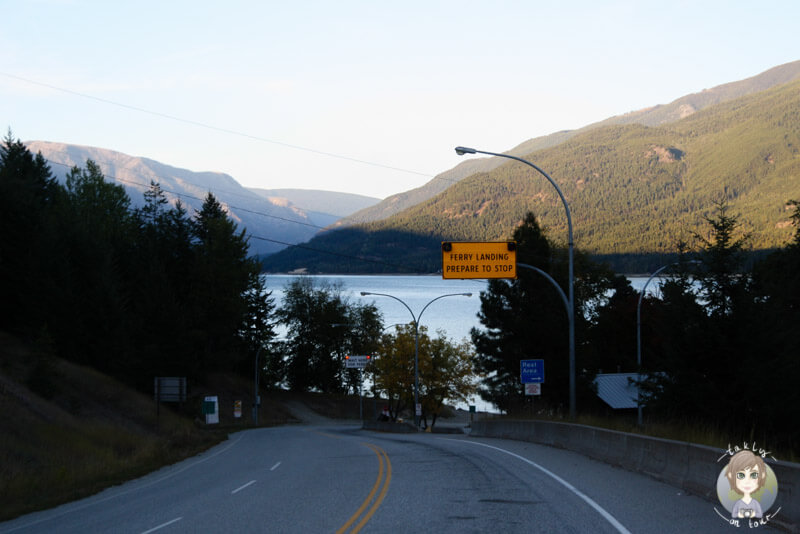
point(468, 259)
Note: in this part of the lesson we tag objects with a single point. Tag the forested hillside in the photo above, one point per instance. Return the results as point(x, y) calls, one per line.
point(632, 189)
point(132, 292)
point(268, 223)
point(656, 115)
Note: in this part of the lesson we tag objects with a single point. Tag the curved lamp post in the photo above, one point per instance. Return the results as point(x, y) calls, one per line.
point(416, 337)
point(551, 280)
point(571, 305)
point(639, 337)
point(256, 399)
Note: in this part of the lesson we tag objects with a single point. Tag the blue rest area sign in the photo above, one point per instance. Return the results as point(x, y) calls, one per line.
point(531, 371)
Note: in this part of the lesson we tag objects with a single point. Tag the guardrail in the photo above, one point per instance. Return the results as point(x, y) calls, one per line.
point(693, 468)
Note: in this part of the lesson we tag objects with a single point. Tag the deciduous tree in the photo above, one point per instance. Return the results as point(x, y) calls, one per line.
point(446, 371)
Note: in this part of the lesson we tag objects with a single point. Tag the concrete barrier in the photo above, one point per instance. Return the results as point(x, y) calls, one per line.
point(408, 427)
point(389, 426)
point(691, 467)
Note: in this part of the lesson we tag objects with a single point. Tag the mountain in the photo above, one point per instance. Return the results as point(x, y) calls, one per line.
point(653, 116)
point(270, 225)
point(632, 189)
point(322, 207)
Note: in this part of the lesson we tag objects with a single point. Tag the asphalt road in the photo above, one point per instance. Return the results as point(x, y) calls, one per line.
point(320, 478)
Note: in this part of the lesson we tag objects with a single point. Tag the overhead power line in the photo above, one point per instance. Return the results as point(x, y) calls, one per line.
point(240, 134)
point(185, 195)
point(258, 237)
point(215, 128)
point(252, 235)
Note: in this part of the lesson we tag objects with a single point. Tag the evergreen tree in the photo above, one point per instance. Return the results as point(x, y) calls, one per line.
point(722, 284)
point(257, 333)
point(709, 336)
point(612, 331)
point(160, 307)
point(526, 319)
point(98, 232)
point(28, 197)
point(777, 314)
point(133, 293)
point(221, 275)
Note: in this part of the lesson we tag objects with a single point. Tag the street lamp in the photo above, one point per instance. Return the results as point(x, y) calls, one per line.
point(639, 339)
point(416, 337)
point(256, 399)
point(551, 280)
point(461, 150)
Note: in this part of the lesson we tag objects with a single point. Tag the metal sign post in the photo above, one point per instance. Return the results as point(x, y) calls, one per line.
point(531, 374)
point(168, 389)
point(358, 362)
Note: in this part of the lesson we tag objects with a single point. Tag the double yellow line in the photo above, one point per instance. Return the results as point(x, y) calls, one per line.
point(385, 465)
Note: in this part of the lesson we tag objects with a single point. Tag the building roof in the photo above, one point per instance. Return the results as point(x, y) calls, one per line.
point(618, 390)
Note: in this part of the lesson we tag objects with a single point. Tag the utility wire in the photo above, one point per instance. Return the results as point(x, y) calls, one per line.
point(212, 127)
point(254, 236)
point(179, 195)
point(240, 134)
point(258, 237)
point(262, 238)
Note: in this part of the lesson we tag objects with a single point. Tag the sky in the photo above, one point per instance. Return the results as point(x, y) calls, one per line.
point(363, 97)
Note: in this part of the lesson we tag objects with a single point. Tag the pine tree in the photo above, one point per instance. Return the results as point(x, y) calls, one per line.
point(28, 196)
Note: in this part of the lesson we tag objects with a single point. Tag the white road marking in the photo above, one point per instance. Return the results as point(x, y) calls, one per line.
point(70, 509)
point(237, 490)
point(608, 517)
point(162, 525)
point(274, 467)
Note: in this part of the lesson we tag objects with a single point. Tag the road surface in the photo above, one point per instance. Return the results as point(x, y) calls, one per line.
point(338, 478)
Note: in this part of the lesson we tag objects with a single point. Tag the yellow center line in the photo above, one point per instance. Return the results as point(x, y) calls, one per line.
point(381, 454)
point(385, 488)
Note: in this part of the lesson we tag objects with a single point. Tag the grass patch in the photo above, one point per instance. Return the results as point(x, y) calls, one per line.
point(75, 432)
point(44, 465)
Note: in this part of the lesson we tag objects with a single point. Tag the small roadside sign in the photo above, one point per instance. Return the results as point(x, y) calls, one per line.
point(211, 409)
point(533, 389)
point(465, 259)
point(170, 388)
point(356, 362)
point(531, 371)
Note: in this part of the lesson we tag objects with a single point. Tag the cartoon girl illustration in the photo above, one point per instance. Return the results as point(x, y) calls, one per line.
point(746, 473)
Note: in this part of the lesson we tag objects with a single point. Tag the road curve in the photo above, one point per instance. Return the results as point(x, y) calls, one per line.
point(342, 479)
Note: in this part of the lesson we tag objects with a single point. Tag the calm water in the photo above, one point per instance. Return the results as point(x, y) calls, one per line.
point(454, 315)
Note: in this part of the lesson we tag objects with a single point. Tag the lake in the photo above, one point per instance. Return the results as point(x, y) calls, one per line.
point(455, 316)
